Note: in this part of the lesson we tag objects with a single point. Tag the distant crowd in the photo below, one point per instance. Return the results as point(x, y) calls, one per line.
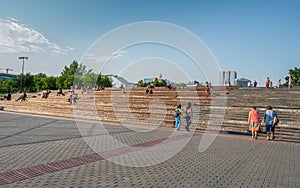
point(269, 83)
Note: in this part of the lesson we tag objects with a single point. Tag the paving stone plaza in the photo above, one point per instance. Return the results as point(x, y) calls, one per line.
point(38, 151)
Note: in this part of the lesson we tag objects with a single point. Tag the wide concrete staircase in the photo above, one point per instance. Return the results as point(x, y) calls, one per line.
point(219, 112)
point(285, 102)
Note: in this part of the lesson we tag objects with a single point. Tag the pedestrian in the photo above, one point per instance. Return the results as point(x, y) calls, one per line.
point(267, 82)
point(188, 116)
point(254, 83)
point(279, 83)
point(150, 91)
point(122, 89)
point(249, 84)
point(207, 89)
point(290, 82)
point(271, 120)
point(177, 115)
point(253, 121)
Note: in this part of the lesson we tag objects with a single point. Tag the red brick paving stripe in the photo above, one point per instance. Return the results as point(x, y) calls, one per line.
point(13, 176)
point(3, 181)
point(32, 172)
point(42, 169)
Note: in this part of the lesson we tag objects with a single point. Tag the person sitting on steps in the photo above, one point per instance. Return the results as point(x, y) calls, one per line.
point(60, 92)
point(46, 94)
point(22, 97)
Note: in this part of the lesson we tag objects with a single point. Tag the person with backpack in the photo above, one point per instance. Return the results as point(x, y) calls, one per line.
point(271, 120)
point(177, 115)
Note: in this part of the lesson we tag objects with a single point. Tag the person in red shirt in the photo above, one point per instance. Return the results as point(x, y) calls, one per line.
point(253, 120)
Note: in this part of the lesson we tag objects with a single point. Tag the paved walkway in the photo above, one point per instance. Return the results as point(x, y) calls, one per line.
point(37, 151)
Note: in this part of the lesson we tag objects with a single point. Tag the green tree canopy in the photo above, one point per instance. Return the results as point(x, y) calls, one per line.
point(75, 73)
point(295, 73)
point(72, 74)
point(104, 81)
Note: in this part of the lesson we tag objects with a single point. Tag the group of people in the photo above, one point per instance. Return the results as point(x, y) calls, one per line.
point(188, 116)
point(270, 120)
point(6, 97)
point(269, 83)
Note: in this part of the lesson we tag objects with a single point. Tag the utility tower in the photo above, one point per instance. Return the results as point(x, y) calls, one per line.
point(8, 69)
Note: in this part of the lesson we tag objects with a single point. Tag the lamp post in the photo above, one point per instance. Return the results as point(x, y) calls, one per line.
point(22, 71)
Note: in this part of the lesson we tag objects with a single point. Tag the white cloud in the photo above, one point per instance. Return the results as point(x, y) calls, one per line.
point(94, 58)
point(16, 37)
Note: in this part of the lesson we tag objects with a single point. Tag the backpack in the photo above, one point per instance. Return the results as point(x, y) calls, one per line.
point(275, 121)
point(176, 113)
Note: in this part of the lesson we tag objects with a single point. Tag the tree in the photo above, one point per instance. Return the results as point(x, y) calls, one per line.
point(75, 73)
point(38, 81)
point(89, 78)
point(50, 82)
point(142, 84)
point(104, 81)
point(28, 83)
point(295, 73)
point(8, 86)
point(161, 83)
point(72, 74)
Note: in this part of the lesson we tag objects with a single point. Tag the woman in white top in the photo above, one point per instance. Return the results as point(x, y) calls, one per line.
point(290, 82)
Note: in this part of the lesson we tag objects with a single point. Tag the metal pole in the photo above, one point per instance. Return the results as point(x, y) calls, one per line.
point(22, 76)
point(23, 58)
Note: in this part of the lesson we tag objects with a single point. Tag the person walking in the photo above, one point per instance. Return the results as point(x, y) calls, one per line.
point(271, 120)
point(177, 115)
point(188, 116)
point(267, 82)
point(254, 83)
point(290, 82)
point(207, 89)
point(279, 83)
point(253, 120)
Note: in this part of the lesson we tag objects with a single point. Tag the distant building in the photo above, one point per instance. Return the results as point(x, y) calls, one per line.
point(148, 80)
point(227, 78)
point(152, 79)
point(6, 76)
point(118, 81)
point(242, 82)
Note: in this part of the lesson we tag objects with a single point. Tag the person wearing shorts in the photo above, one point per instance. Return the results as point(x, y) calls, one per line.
point(269, 117)
point(253, 120)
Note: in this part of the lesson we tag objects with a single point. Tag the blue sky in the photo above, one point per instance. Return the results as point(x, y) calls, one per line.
point(255, 38)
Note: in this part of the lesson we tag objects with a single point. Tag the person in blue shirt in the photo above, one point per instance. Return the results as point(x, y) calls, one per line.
point(177, 117)
point(270, 119)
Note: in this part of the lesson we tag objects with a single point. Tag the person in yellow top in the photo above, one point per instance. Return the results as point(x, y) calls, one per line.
point(177, 115)
point(253, 121)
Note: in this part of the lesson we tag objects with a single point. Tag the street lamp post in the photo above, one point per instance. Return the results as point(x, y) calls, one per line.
point(22, 71)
